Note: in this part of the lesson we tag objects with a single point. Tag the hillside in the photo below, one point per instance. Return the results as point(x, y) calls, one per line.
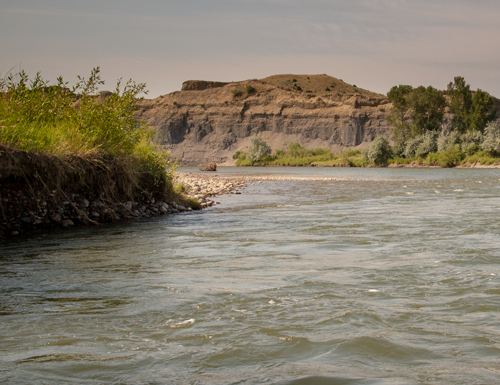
point(210, 121)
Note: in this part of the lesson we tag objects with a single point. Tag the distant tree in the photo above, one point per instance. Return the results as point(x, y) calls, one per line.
point(471, 111)
point(481, 112)
point(460, 102)
point(426, 109)
point(258, 149)
point(398, 116)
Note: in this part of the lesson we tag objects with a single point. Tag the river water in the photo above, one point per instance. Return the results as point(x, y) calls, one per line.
point(386, 276)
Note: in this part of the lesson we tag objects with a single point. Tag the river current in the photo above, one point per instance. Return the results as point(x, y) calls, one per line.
point(383, 277)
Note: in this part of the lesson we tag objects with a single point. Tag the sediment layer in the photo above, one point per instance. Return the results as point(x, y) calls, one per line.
point(208, 121)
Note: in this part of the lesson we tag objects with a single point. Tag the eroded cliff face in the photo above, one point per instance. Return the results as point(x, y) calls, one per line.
point(210, 121)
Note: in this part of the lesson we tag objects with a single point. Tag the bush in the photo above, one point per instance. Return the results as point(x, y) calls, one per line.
point(379, 150)
point(236, 93)
point(451, 157)
point(421, 145)
point(471, 142)
point(250, 89)
point(258, 149)
point(491, 139)
point(448, 142)
point(411, 147)
point(240, 155)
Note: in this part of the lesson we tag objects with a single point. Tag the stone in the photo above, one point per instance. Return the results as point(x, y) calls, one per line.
point(26, 220)
point(56, 218)
point(67, 222)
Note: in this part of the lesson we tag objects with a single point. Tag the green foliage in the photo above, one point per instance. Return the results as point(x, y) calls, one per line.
point(427, 109)
point(236, 93)
point(250, 89)
point(491, 139)
point(447, 142)
point(481, 112)
point(470, 111)
point(421, 145)
point(258, 149)
point(471, 141)
point(399, 114)
point(379, 150)
point(240, 155)
point(460, 102)
point(193, 203)
point(327, 89)
point(448, 158)
point(39, 117)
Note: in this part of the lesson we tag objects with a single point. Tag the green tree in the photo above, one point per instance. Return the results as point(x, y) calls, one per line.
point(398, 116)
point(481, 112)
point(471, 111)
point(258, 149)
point(426, 109)
point(460, 102)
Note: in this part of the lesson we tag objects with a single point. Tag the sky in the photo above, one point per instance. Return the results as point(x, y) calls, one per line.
point(374, 44)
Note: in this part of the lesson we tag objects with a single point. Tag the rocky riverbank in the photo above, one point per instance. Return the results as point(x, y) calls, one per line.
point(38, 191)
point(202, 187)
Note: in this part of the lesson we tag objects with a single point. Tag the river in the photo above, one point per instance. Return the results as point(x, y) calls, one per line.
point(382, 277)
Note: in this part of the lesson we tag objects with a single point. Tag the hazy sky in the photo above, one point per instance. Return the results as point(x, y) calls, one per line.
point(374, 44)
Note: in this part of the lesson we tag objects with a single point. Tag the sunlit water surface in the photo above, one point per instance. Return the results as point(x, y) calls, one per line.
point(390, 276)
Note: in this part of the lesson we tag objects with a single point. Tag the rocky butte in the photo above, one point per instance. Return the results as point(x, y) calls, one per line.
point(209, 121)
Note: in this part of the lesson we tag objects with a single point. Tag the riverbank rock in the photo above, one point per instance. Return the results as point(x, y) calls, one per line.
point(39, 191)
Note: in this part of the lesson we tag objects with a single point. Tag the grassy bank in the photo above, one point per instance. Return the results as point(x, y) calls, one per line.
point(63, 149)
point(296, 156)
point(83, 123)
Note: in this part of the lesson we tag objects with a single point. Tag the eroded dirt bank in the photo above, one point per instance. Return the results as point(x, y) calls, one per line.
point(38, 191)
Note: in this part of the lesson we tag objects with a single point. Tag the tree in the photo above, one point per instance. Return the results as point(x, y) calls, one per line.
point(471, 111)
point(481, 112)
point(398, 117)
point(460, 102)
point(258, 149)
point(426, 109)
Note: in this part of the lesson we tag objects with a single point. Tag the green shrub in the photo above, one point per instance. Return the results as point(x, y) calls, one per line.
point(471, 141)
point(236, 93)
point(250, 89)
point(240, 155)
point(447, 142)
point(258, 149)
point(421, 145)
point(491, 139)
point(451, 157)
point(379, 150)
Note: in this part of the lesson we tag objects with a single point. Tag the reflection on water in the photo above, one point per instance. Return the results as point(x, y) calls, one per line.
point(388, 277)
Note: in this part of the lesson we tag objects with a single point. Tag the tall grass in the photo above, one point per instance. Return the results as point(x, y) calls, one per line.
point(52, 119)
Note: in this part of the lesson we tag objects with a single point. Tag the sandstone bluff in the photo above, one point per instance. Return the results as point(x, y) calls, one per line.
point(210, 121)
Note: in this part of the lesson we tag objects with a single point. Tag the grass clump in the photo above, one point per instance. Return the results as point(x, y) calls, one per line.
point(236, 93)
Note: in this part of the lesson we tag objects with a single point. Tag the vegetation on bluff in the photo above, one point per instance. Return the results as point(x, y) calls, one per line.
point(429, 127)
